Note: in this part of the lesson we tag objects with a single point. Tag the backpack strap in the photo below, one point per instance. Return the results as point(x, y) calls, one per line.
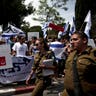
point(78, 88)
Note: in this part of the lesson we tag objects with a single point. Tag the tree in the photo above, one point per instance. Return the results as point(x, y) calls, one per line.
point(14, 11)
point(49, 10)
point(81, 9)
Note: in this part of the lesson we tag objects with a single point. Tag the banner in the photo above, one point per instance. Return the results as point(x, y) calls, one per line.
point(19, 72)
point(5, 56)
point(56, 27)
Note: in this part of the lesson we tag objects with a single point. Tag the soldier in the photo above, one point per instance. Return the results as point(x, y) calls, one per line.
point(80, 68)
point(41, 81)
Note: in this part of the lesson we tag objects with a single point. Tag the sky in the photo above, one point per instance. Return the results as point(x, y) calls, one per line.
point(68, 15)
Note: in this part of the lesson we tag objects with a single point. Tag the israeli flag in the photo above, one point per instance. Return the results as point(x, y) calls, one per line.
point(73, 27)
point(88, 25)
point(58, 49)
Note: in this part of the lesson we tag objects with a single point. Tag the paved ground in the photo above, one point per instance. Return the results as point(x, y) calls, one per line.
point(52, 90)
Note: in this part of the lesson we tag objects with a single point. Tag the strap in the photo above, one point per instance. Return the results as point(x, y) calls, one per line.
point(78, 89)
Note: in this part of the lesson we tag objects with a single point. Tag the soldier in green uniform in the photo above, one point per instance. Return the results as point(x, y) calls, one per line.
point(41, 81)
point(84, 58)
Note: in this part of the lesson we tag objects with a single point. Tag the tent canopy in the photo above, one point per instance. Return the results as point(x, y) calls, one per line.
point(12, 30)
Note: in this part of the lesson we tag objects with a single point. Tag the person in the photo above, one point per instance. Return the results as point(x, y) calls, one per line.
point(12, 41)
point(32, 46)
point(57, 47)
point(80, 68)
point(20, 48)
point(2, 40)
point(65, 41)
point(37, 68)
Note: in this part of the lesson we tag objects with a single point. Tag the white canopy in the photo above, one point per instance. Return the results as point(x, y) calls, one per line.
point(12, 31)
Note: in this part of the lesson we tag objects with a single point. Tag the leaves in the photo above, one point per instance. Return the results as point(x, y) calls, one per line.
point(14, 11)
point(48, 10)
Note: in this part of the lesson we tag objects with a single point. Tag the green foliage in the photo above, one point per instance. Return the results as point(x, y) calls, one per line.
point(81, 9)
point(49, 10)
point(14, 11)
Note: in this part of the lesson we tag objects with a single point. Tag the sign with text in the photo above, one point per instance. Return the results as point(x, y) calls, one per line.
point(5, 57)
point(2, 61)
point(19, 72)
point(31, 34)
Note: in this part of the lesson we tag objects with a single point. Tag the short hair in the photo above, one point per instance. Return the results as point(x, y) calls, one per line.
point(12, 37)
point(20, 37)
point(81, 34)
point(67, 37)
point(42, 40)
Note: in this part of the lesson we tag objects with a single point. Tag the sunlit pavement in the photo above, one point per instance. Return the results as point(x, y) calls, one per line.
point(52, 90)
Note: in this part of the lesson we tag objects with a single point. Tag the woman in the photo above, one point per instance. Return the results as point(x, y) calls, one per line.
point(41, 81)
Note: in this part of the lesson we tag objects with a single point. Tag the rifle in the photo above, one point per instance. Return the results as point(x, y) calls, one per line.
point(78, 89)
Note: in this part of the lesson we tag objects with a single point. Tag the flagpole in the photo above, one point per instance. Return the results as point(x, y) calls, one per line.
point(81, 26)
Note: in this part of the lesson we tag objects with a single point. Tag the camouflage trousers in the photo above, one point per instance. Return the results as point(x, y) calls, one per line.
point(38, 91)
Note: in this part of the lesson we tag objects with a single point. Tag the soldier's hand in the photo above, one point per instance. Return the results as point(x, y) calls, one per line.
point(28, 80)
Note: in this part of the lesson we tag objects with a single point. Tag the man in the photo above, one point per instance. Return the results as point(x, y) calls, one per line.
point(20, 48)
point(57, 47)
point(12, 41)
point(81, 80)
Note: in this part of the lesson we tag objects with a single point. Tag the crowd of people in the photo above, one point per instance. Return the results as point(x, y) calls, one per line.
point(77, 64)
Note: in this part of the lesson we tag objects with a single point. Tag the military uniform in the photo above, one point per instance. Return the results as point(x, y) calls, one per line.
point(86, 70)
point(41, 81)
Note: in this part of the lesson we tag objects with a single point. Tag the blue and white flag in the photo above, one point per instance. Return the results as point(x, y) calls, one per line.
point(66, 28)
point(66, 25)
point(60, 33)
point(58, 49)
point(88, 25)
point(73, 27)
point(45, 28)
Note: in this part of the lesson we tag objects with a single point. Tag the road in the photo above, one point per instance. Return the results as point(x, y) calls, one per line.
point(52, 90)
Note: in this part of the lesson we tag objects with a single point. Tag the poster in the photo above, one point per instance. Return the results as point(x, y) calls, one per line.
point(5, 57)
point(30, 34)
point(19, 72)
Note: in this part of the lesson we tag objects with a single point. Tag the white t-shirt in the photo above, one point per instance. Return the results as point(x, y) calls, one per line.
point(20, 49)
